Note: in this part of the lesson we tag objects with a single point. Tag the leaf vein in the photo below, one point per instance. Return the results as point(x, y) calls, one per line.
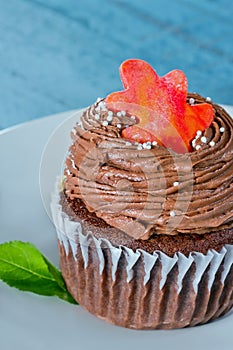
point(27, 270)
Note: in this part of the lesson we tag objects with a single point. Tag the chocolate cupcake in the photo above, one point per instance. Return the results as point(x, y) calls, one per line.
point(145, 216)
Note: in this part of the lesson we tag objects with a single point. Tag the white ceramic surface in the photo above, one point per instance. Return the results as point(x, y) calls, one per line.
point(28, 321)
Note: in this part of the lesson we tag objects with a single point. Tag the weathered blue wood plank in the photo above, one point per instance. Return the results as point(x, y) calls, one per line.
point(57, 55)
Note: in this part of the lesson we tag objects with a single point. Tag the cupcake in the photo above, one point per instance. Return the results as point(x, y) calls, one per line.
point(145, 214)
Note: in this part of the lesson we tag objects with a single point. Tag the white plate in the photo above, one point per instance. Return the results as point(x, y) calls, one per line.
point(28, 321)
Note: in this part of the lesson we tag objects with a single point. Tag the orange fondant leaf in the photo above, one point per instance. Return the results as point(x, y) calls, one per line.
point(159, 105)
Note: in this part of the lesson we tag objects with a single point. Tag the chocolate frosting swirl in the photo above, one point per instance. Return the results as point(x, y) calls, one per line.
point(152, 190)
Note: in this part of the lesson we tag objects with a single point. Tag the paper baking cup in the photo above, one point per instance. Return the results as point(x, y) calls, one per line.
point(141, 290)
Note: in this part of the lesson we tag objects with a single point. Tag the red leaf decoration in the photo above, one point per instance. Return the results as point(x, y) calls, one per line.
point(160, 106)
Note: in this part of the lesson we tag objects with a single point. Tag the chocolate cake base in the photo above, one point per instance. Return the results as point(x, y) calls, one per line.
point(110, 283)
point(137, 305)
point(183, 243)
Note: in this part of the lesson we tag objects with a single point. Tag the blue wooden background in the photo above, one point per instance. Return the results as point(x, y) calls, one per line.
point(57, 55)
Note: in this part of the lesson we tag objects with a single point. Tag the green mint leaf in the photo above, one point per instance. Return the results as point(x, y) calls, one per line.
point(23, 266)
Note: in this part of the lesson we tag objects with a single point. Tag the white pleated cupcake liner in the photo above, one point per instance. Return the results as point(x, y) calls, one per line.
point(70, 234)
